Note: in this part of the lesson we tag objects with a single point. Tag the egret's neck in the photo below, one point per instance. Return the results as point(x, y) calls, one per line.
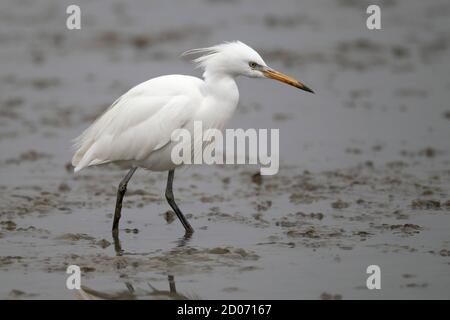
point(222, 86)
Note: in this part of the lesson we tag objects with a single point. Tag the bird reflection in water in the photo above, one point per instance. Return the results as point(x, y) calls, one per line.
point(86, 293)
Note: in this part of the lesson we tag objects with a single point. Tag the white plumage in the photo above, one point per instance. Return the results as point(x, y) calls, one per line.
point(136, 130)
point(140, 123)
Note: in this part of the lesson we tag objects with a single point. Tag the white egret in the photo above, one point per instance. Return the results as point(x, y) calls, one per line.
point(136, 130)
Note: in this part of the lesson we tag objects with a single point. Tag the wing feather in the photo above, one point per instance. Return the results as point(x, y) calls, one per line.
point(137, 124)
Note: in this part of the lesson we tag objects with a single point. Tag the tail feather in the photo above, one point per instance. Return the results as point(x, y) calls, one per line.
point(85, 141)
point(86, 157)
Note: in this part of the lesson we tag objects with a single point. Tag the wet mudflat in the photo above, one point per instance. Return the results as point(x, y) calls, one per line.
point(365, 167)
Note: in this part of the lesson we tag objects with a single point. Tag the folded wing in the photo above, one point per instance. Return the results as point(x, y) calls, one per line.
point(138, 123)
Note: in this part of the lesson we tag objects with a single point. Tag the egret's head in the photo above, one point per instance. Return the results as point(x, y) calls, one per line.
point(235, 59)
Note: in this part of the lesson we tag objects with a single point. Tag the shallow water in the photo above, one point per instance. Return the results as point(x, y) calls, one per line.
point(364, 174)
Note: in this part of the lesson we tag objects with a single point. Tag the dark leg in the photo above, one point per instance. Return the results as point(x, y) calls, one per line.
point(117, 245)
point(120, 193)
point(172, 288)
point(171, 200)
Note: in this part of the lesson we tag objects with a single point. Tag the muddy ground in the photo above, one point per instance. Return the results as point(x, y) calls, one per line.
point(365, 167)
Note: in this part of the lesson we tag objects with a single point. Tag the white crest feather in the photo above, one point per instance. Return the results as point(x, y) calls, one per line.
point(209, 53)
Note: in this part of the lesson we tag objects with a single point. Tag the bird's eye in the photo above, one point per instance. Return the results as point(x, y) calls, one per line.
point(252, 65)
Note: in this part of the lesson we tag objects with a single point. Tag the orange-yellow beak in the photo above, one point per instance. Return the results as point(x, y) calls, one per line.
point(272, 74)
